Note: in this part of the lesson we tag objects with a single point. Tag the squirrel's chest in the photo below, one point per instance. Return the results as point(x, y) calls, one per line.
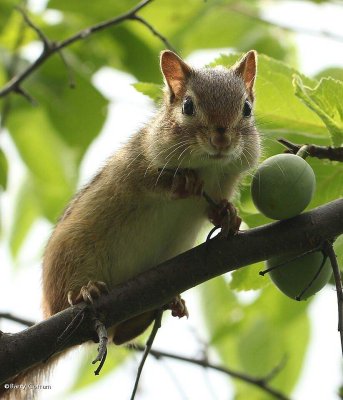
point(155, 233)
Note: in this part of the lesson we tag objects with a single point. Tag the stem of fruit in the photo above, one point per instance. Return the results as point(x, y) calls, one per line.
point(265, 271)
point(329, 251)
point(298, 298)
point(303, 151)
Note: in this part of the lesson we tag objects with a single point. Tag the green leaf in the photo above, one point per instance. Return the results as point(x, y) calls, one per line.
point(332, 72)
point(50, 161)
point(329, 185)
point(3, 170)
point(85, 372)
point(248, 278)
point(76, 114)
point(151, 90)
point(277, 109)
point(92, 8)
point(326, 100)
point(256, 342)
point(26, 212)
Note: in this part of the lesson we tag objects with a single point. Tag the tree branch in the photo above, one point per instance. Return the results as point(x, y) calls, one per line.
point(260, 382)
point(321, 152)
point(157, 286)
point(51, 48)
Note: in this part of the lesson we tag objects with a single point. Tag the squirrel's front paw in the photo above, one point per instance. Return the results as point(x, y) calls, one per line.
point(224, 215)
point(187, 183)
point(88, 293)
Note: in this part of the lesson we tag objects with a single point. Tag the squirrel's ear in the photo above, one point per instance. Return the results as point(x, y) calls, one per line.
point(246, 69)
point(175, 72)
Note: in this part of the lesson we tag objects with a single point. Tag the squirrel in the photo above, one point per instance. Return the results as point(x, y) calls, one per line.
point(146, 205)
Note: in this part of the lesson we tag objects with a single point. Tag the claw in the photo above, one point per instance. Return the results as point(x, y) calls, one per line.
point(88, 293)
point(178, 307)
point(225, 216)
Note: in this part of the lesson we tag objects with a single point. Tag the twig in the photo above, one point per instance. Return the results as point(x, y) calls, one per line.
point(69, 330)
point(298, 298)
point(147, 350)
point(329, 251)
point(40, 33)
point(154, 31)
point(11, 317)
point(51, 48)
point(237, 8)
point(321, 152)
point(71, 78)
point(26, 95)
point(12, 69)
point(266, 271)
point(261, 383)
point(101, 331)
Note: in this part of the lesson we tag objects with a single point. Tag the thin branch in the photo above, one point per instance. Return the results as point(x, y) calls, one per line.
point(51, 48)
point(25, 94)
point(12, 317)
point(244, 11)
point(154, 31)
point(329, 251)
point(40, 33)
point(260, 382)
point(314, 278)
point(157, 285)
point(321, 152)
point(11, 70)
point(147, 350)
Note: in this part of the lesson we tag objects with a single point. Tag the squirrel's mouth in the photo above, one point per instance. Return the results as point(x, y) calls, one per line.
point(218, 156)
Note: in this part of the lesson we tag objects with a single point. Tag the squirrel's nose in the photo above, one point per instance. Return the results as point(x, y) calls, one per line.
point(220, 129)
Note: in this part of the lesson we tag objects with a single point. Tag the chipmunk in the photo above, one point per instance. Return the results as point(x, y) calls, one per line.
point(135, 213)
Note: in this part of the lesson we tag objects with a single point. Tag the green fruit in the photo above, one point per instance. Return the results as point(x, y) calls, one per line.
point(294, 276)
point(283, 186)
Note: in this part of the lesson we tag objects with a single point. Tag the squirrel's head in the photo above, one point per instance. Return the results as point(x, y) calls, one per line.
point(209, 111)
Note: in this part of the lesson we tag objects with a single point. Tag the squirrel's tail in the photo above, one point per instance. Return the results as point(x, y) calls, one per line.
point(28, 384)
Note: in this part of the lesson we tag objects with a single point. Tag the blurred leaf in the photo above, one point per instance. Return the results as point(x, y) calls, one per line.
point(6, 9)
point(248, 278)
point(85, 372)
point(329, 183)
point(94, 9)
point(77, 114)
point(151, 90)
point(137, 56)
point(256, 342)
point(26, 212)
point(335, 73)
point(326, 100)
point(209, 28)
point(3, 170)
point(51, 163)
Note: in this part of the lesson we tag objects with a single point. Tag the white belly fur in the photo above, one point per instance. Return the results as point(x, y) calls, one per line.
point(155, 234)
point(163, 229)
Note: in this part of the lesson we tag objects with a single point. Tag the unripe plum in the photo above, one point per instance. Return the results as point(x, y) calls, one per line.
point(283, 186)
point(294, 276)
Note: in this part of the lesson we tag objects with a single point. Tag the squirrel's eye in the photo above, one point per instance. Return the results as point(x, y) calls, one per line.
point(247, 109)
point(188, 106)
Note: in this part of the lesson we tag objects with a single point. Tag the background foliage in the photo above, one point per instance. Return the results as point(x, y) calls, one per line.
point(53, 136)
